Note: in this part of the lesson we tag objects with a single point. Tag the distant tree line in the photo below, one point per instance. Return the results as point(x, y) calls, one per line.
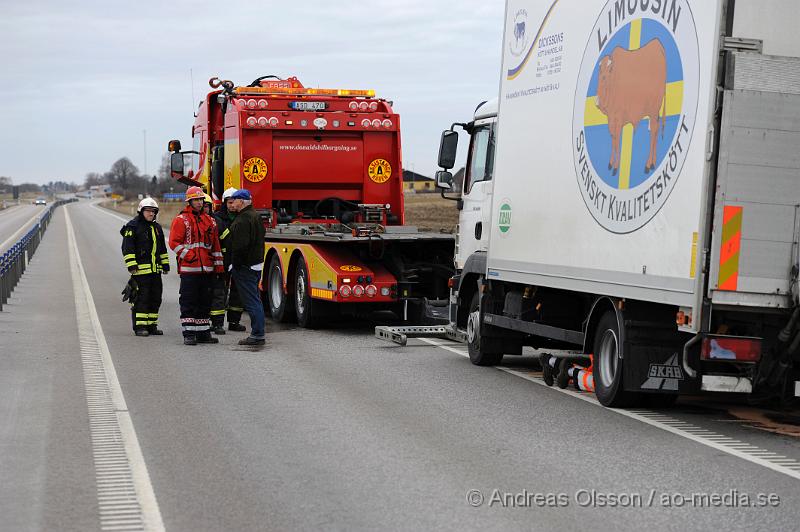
point(125, 179)
point(53, 187)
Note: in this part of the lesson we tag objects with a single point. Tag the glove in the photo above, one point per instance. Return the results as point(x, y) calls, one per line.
point(133, 269)
point(131, 291)
point(164, 270)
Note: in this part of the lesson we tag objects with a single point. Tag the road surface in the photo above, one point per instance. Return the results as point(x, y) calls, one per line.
point(13, 220)
point(331, 429)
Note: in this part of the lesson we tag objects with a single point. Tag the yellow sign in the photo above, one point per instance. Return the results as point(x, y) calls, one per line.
point(380, 170)
point(350, 268)
point(255, 169)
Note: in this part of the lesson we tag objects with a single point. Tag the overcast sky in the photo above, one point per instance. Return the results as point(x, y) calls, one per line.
point(80, 81)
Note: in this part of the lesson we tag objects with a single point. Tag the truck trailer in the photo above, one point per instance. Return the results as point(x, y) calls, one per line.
point(633, 194)
point(325, 172)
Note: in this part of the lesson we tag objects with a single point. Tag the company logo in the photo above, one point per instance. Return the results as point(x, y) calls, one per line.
point(504, 219)
point(664, 376)
point(255, 169)
point(379, 170)
point(518, 42)
point(635, 109)
point(350, 268)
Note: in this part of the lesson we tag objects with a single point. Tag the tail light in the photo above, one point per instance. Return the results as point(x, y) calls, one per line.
point(731, 348)
point(345, 290)
point(363, 106)
point(251, 104)
point(376, 123)
point(251, 121)
point(353, 106)
point(365, 123)
point(273, 122)
point(358, 290)
point(373, 106)
point(262, 104)
point(387, 123)
point(371, 290)
point(262, 122)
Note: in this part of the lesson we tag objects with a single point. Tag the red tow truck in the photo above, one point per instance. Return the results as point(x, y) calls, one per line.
point(325, 171)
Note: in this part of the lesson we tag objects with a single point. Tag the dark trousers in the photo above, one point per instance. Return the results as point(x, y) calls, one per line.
point(195, 303)
point(144, 312)
point(225, 297)
point(246, 281)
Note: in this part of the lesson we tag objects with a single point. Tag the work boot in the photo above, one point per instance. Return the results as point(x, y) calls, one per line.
point(252, 341)
point(206, 338)
point(155, 331)
point(218, 329)
point(238, 327)
point(141, 332)
point(562, 379)
point(190, 339)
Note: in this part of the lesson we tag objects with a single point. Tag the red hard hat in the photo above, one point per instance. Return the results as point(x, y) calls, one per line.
point(195, 193)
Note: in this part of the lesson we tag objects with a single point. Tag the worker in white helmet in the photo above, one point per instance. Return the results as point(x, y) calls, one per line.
point(224, 296)
point(146, 257)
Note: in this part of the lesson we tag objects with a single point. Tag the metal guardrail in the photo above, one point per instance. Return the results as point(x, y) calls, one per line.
point(15, 260)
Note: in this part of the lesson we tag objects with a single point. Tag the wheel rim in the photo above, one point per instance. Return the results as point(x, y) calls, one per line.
point(608, 356)
point(472, 326)
point(276, 287)
point(301, 292)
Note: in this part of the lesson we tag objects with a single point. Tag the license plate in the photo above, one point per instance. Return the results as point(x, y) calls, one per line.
point(309, 106)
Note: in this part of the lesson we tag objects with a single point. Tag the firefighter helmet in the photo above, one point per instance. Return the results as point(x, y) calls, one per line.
point(207, 199)
point(147, 202)
point(194, 193)
point(228, 193)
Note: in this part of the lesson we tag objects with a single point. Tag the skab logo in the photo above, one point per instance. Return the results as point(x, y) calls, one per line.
point(635, 109)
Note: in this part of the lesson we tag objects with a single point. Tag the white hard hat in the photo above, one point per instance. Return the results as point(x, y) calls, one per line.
point(228, 193)
point(147, 202)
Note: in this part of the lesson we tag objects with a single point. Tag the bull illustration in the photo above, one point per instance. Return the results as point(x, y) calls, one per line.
point(632, 85)
point(519, 31)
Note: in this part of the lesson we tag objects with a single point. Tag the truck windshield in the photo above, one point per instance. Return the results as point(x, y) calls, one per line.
point(481, 156)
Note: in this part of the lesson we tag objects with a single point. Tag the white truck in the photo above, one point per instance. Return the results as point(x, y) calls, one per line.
point(634, 193)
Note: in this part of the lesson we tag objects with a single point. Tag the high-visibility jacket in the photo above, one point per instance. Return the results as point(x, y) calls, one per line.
point(143, 246)
point(194, 239)
point(224, 220)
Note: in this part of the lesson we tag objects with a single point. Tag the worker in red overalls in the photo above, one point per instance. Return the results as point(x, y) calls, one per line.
point(194, 239)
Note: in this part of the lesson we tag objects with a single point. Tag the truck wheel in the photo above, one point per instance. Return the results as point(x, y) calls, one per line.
point(478, 352)
point(281, 305)
point(306, 309)
point(658, 401)
point(608, 365)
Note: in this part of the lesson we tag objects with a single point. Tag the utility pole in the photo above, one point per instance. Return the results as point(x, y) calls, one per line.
point(144, 133)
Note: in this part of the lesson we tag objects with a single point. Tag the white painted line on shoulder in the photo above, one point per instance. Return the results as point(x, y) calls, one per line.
point(736, 448)
point(110, 425)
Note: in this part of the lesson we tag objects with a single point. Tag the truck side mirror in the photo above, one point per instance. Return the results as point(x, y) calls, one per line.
point(447, 149)
point(444, 180)
point(176, 163)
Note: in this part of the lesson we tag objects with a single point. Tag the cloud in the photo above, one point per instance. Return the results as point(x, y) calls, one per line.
point(82, 80)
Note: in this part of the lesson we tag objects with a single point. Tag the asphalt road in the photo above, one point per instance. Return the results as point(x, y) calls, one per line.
point(334, 429)
point(13, 219)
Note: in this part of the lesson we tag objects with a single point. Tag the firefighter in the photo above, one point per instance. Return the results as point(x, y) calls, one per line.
point(146, 258)
point(208, 205)
point(246, 247)
point(224, 292)
point(194, 239)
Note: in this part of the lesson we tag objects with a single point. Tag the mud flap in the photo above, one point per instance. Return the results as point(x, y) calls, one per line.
point(653, 363)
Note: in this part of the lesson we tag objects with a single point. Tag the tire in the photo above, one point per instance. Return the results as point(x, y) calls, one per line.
point(608, 369)
point(478, 352)
point(279, 303)
point(306, 309)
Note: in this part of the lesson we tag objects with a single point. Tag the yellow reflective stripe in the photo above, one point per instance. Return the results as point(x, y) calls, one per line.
point(236, 309)
point(153, 250)
point(224, 234)
point(217, 312)
point(129, 256)
point(142, 315)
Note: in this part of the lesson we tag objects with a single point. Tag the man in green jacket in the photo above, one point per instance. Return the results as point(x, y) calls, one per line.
point(245, 244)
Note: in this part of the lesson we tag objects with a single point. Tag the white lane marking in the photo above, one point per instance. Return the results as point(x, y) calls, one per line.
point(108, 212)
point(110, 425)
point(19, 231)
point(716, 441)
